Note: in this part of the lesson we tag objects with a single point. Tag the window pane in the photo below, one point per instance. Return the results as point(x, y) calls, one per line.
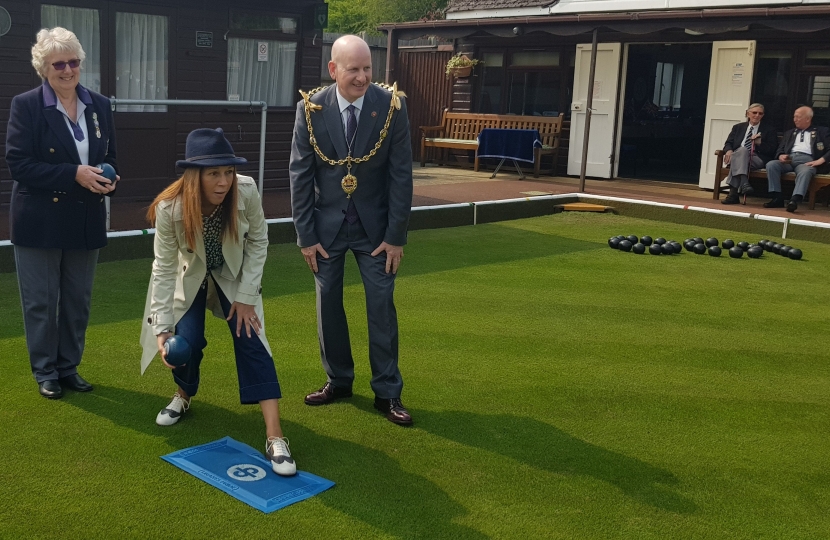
point(271, 80)
point(817, 58)
point(535, 93)
point(668, 85)
point(84, 22)
point(140, 60)
point(250, 21)
point(818, 88)
point(535, 58)
point(772, 86)
point(492, 76)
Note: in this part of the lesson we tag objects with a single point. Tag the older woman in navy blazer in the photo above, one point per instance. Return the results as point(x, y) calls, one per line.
point(56, 135)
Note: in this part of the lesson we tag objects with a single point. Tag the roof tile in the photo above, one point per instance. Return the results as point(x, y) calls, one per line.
point(475, 5)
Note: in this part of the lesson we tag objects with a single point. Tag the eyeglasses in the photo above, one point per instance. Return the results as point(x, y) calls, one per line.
point(759, 113)
point(60, 66)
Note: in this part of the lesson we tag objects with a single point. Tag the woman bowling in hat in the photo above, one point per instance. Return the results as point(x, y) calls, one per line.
point(210, 247)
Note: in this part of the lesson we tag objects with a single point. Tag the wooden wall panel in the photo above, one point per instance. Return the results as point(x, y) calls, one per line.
point(421, 76)
point(149, 144)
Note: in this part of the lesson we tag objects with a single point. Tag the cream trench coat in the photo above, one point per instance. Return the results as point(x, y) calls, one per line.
point(178, 271)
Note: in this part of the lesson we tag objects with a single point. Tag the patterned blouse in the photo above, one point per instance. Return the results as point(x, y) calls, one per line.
point(212, 230)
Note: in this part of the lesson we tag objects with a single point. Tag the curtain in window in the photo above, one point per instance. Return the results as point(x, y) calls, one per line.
point(270, 81)
point(141, 60)
point(84, 23)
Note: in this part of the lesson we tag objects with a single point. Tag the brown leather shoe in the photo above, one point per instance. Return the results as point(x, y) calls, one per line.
point(327, 394)
point(394, 410)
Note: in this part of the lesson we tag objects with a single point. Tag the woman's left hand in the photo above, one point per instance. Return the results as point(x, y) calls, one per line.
point(245, 313)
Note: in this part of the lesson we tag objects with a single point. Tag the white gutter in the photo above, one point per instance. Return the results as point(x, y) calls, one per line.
point(496, 13)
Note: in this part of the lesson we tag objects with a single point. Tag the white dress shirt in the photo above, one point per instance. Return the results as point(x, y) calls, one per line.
point(344, 114)
point(83, 146)
point(805, 146)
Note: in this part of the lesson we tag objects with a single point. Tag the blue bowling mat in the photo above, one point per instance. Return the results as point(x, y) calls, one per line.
point(244, 473)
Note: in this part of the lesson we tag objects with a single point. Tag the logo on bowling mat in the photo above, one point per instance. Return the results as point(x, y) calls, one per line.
point(245, 472)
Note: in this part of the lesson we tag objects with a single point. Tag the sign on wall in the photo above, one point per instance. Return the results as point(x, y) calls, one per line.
point(204, 39)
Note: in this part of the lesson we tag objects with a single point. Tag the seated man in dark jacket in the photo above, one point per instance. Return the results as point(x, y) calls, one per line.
point(749, 146)
point(802, 150)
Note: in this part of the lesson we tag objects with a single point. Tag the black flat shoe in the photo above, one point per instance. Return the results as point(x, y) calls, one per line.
point(50, 389)
point(775, 203)
point(76, 383)
point(792, 206)
point(730, 199)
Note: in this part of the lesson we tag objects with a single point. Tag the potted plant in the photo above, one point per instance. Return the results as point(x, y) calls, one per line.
point(460, 65)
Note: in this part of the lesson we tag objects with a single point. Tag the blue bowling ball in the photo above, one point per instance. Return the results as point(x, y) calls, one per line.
point(178, 351)
point(109, 171)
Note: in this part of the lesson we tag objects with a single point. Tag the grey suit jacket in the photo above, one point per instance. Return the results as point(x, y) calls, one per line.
point(383, 198)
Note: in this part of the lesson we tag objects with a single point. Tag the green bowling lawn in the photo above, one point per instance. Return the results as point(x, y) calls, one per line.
point(560, 389)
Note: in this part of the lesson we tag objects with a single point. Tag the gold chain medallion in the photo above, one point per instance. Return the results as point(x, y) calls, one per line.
point(349, 182)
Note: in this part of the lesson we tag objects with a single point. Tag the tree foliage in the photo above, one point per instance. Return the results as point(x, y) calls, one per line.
point(355, 16)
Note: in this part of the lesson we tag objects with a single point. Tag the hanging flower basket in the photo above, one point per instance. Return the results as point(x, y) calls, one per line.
point(460, 66)
point(461, 72)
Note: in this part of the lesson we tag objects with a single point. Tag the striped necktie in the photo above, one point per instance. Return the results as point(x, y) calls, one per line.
point(748, 141)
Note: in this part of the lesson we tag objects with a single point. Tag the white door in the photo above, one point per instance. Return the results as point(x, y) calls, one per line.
point(604, 115)
point(730, 83)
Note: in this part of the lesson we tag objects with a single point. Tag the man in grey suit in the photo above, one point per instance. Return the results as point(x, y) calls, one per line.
point(364, 208)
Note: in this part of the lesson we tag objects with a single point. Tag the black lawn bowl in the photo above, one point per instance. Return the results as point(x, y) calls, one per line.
point(624, 245)
point(677, 247)
point(743, 245)
point(711, 242)
point(776, 248)
point(795, 254)
point(714, 251)
point(655, 249)
point(632, 238)
point(755, 252)
point(763, 243)
point(614, 242)
point(660, 240)
point(689, 245)
point(646, 240)
point(785, 251)
point(700, 249)
point(728, 243)
point(698, 240)
point(736, 252)
point(667, 248)
point(638, 248)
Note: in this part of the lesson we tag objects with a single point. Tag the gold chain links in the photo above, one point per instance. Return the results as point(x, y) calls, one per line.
point(394, 104)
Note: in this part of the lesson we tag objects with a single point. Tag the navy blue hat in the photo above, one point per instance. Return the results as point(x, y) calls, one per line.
point(207, 147)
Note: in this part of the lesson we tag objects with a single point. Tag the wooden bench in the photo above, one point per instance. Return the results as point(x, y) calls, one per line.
point(819, 181)
point(459, 131)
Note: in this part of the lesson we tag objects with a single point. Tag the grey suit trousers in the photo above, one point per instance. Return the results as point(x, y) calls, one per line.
point(803, 174)
point(382, 318)
point(55, 293)
point(740, 165)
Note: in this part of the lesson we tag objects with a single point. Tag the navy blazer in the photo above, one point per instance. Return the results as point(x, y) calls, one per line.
point(765, 150)
point(820, 142)
point(48, 208)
